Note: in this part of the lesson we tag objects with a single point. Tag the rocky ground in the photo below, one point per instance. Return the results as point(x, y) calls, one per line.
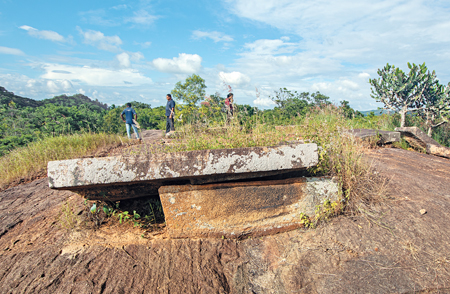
point(391, 248)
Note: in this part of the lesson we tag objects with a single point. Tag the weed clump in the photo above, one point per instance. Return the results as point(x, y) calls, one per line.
point(67, 218)
point(342, 157)
point(26, 162)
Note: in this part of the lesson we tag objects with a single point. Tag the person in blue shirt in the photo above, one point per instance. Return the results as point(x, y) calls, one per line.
point(170, 113)
point(130, 115)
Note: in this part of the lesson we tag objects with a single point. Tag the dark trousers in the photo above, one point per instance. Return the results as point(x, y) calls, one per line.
point(169, 124)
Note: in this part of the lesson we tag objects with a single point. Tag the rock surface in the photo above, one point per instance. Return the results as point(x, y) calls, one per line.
point(156, 170)
point(381, 136)
point(234, 210)
point(418, 139)
point(389, 249)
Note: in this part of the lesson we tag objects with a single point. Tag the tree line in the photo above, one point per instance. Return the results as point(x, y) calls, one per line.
point(417, 98)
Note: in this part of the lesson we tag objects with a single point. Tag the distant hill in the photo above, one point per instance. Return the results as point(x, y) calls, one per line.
point(376, 112)
point(63, 100)
point(6, 98)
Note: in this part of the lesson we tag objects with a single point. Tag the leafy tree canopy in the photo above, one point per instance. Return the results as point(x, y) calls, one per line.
point(191, 91)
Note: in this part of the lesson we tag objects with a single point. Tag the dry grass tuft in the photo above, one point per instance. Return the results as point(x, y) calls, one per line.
point(24, 163)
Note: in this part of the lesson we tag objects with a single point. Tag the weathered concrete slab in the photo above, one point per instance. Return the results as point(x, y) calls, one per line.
point(381, 136)
point(419, 139)
point(438, 150)
point(156, 170)
point(247, 208)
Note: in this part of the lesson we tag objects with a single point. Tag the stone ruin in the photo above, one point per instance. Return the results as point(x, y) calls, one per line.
point(221, 193)
point(210, 193)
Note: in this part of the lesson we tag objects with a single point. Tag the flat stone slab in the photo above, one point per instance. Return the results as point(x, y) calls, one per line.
point(382, 136)
point(418, 138)
point(161, 169)
point(233, 210)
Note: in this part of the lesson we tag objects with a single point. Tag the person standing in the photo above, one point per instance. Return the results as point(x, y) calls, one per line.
point(170, 114)
point(130, 115)
point(229, 106)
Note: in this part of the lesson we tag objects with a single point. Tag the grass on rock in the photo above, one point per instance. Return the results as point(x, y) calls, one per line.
point(26, 162)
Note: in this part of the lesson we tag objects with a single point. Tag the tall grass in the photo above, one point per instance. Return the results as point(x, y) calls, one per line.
point(28, 161)
point(342, 156)
point(235, 134)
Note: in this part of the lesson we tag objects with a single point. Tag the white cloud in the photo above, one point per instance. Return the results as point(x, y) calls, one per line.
point(11, 51)
point(99, 40)
point(336, 46)
point(234, 78)
point(46, 35)
point(364, 75)
point(66, 85)
point(52, 87)
point(94, 76)
point(120, 7)
point(124, 60)
point(141, 17)
point(271, 47)
point(99, 17)
point(81, 91)
point(215, 36)
point(136, 56)
point(265, 102)
point(184, 63)
point(346, 84)
point(144, 44)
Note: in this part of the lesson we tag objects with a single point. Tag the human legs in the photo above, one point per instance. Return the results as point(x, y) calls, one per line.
point(169, 124)
point(128, 126)
point(135, 131)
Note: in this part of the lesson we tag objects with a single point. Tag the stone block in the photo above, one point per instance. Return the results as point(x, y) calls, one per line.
point(417, 134)
point(420, 140)
point(234, 210)
point(157, 169)
point(381, 136)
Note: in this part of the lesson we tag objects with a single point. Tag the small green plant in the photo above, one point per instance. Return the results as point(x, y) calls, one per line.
point(305, 220)
point(135, 219)
point(403, 144)
point(95, 215)
point(109, 211)
point(326, 210)
point(67, 218)
point(123, 216)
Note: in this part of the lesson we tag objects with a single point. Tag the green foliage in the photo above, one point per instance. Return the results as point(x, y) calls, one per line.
point(400, 91)
point(19, 126)
point(436, 104)
point(191, 91)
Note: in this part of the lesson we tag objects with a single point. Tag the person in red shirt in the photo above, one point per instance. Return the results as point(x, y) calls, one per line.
point(229, 106)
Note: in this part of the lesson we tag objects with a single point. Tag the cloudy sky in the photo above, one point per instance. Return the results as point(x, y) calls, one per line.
point(118, 51)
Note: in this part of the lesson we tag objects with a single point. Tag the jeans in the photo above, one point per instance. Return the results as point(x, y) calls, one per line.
point(134, 129)
point(169, 124)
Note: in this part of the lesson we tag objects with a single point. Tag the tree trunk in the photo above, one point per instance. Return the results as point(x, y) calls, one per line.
point(430, 121)
point(403, 116)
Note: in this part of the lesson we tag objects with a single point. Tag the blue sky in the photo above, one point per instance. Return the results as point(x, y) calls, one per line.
point(119, 51)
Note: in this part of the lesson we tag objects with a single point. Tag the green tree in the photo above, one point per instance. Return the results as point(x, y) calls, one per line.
point(436, 104)
point(400, 91)
point(292, 103)
point(191, 91)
